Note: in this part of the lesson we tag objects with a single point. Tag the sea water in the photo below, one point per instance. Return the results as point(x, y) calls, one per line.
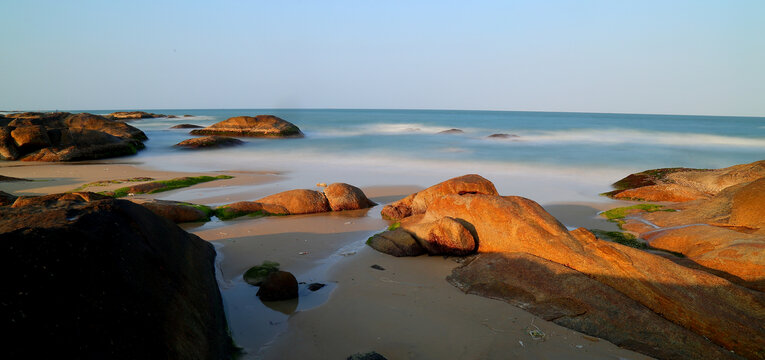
point(547, 156)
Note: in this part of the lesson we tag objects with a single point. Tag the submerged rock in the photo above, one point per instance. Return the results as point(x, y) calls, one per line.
point(451, 131)
point(108, 279)
point(208, 142)
point(187, 126)
point(253, 126)
point(503, 136)
point(278, 285)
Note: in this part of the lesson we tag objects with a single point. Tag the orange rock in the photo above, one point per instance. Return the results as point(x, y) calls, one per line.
point(174, 211)
point(748, 206)
point(444, 236)
point(257, 126)
point(417, 203)
point(662, 192)
point(346, 197)
point(30, 137)
point(299, 201)
point(714, 181)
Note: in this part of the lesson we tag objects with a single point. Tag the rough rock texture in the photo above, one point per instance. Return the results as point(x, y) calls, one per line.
point(57, 199)
point(299, 201)
point(444, 236)
point(727, 314)
point(574, 300)
point(279, 285)
point(418, 202)
point(396, 242)
point(342, 196)
point(174, 211)
point(662, 192)
point(748, 206)
point(107, 279)
point(257, 126)
point(740, 256)
point(66, 137)
point(133, 115)
point(208, 142)
point(187, 126)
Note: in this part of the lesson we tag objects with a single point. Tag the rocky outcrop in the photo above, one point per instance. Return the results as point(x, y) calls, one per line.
point(748, 206)
point(396, 242)
point(662, 192)
point(186, 126)
point(417, 203)
point(298, 201)
point(252, 126)
point(133, 115)
point(66, 137)
point(343, 196)
point(209, 142)
point(572, 299)
point(107, 279)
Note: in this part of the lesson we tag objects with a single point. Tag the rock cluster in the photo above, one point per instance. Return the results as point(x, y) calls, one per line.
point(252, 126)
point(105, 278)
point(66, 137)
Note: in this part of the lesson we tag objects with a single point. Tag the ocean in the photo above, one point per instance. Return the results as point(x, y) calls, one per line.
point(547, 156)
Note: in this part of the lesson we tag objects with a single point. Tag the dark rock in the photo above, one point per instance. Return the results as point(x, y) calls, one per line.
point(503, 136)
point(315, 286)
point(6, 198)
point(367, 356)
point(187, 115)
point(278, 285)
point(208, 142)
point(172, 116)
point(108, 279)
point(187, 126)
point(451, 131)
point(9, 179)
point(377, 267)
point(175, 211)
point(257, 274)
point(397, 243)
point(257, 126)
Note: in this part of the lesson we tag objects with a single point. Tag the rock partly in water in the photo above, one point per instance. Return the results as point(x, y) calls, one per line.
point(396, 242)
point(342, 196)
point(209, 142)
point(451, 131)
point(569, 298)
point(133, 115)
point(108, 279)
point(257, 274)
point(299, 201)
point(187, 126)
point(417, 203)
point(278, 285)
point(66, 137)
point(503, 136)
point(252, 126)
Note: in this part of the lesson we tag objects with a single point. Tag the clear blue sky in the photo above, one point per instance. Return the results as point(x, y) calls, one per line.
point(681, 57)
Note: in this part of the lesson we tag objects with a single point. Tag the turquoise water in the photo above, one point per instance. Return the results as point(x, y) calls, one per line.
point(372, 147)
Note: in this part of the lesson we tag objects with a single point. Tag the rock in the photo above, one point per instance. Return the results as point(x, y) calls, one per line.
point(174, 211)
point(451, 131)
point(396, 242)
point(346, 197)
point(445, 236)
point(377, 267)
point(242, 208)
point(171, 116)
point(6, 198)
point(662, 192)
point(66, 137)
point(574, 300)
point(503, 136)
point(729, 315)
point(108, 279)
point(10, 179)
point(278, 285)
point(738, 257)
point(62, 199)
point(187, 115)
point(315, 286)
point(748, 206)
point(133, 115)
point(257, 274)
point(417, 203)
point(187, 126)
point(367, 356)
point(257, 126)
point(299, 201)
point(207, 142)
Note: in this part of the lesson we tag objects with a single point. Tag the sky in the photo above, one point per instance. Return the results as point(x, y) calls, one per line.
point(659, 57)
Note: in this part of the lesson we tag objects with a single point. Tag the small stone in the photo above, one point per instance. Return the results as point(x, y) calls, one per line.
point(315, 286)
point(377, 267)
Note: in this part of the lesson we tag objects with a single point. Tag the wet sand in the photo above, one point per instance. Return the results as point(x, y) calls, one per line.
point(407, 311)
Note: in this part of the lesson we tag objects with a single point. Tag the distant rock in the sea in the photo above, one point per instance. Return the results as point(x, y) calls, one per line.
point(209, 142)
point(503, 136)
point(187, 115)
point(63, 136)
point(186, 126)
point(133, 115)
point(451, 131)
point(171, 116)
point(107, 279)
point(252, 126)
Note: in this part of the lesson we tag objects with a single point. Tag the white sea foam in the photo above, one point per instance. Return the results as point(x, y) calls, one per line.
point(387, 129)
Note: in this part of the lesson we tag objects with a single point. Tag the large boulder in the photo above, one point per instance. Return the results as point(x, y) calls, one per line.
point(66, 137)
point(108, 279)
point(569, 298)
point(417, 203)
point(343, 196)
point(298, 201)
point(208, 142)
point(396, 242)
point(253, 126)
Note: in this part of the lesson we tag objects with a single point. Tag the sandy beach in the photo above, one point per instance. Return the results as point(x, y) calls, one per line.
point(406, 311)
